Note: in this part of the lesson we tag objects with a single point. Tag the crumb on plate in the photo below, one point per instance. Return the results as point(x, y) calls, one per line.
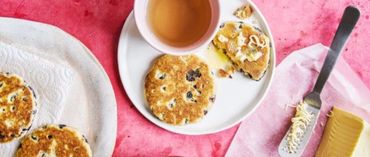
point(243, 12)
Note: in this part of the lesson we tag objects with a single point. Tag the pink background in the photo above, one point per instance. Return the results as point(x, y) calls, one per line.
point(97, 23)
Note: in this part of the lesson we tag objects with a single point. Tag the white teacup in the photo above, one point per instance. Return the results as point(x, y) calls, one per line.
point(140, 13)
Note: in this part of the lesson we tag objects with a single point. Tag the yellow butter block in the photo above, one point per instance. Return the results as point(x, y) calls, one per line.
point(345, 135)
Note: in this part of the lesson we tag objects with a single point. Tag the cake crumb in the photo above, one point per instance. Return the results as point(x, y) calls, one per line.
point(222, 73)
point(244, 12)
point(226, 73)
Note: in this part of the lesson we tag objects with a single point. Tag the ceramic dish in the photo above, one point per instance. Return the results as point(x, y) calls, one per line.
point(90, 105)
point(235, 99)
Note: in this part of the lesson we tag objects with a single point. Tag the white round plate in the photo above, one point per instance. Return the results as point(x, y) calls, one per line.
point(90, 106)
point(235, 99)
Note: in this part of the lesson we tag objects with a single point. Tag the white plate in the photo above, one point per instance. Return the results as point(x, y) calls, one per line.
point(91, 107)
point(236, 98)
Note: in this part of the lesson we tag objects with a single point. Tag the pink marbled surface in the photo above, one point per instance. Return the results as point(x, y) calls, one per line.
point(97, 23)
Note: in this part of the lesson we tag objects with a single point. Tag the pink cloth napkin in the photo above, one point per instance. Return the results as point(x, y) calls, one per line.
point(261, 133)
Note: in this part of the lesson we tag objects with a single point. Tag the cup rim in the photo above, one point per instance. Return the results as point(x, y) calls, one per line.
point(154, 42)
